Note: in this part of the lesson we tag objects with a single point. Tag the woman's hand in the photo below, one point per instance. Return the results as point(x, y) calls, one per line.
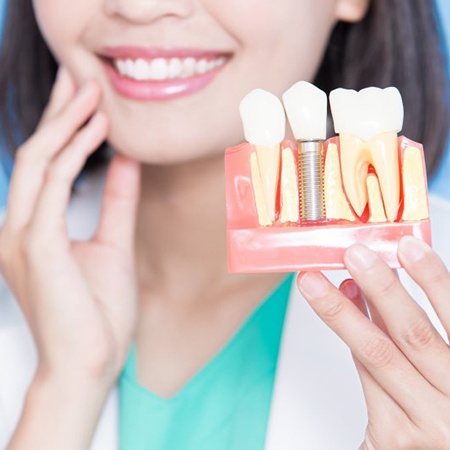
point(403, 362)
point(79, 298)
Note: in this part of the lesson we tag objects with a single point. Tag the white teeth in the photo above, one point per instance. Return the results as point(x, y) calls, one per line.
point(263, 118)
point(160, 69)
point(202, 66)
point(368, 122)
point(368, 112)
point(188, 68)
point(121, 66)
point(141, 69)
point(306, 108)
point(129, 67)
point(174, 68)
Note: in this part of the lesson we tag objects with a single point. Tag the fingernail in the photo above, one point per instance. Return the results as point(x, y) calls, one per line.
point(313, 284)
point(350, 289)
point(360, 257)
point(412, 249)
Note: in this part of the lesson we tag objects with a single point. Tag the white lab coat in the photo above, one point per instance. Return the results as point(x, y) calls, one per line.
point(317, 401)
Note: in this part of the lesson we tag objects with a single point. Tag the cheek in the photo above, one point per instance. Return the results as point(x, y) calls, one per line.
point(61, 23)
point(278, 41)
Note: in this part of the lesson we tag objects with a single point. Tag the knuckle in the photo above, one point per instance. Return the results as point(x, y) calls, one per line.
point(8, 244)
point(388, 286)
point(50, 124)
point(402, 442)
point(378, 352)
point(33, 245)
point(29, 245)
point(6, 253)
point(420, 334)
point(332, 310)
point(440, 435)
point(11, 260)
point(403, 437)
point(58, 173)
point(23, 155)
point(438, 275)
point(31, 154)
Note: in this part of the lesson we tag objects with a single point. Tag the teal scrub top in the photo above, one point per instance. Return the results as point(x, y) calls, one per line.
point(225, 406)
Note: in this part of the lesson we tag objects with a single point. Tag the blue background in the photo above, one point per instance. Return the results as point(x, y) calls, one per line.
point(439, 184)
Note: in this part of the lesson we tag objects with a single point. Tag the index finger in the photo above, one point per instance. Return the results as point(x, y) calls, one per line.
point(407, 323)
point(63, 90)
point(376, 351)
point(33, 157)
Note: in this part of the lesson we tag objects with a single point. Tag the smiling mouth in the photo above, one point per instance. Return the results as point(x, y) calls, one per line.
point(162, 69)
point(156, 64)
point(155, 74)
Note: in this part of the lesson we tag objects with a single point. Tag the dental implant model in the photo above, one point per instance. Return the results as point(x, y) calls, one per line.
point(301, 210)
point(306, 108)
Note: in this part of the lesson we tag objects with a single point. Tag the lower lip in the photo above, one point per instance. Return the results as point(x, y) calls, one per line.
point(159, 90)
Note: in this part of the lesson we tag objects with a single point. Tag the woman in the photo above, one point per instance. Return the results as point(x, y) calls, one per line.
point(154, 273)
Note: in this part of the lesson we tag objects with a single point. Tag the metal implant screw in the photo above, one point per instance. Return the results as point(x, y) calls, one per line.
point(311, 184)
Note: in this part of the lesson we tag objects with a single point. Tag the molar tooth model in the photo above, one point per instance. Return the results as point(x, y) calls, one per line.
point(298, 205)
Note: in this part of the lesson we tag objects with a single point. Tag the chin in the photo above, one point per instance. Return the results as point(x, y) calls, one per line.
point(165, 150)
point(168, 143)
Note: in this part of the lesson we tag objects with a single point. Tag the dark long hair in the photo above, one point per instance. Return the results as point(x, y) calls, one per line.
point(399, 43)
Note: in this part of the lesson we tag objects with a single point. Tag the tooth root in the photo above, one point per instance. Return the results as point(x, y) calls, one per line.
point(354, 167)
point(376, 208)
point(269, 169)
point(414, 186)
point(289, 188)
point(336, 204)
point(386, 163)
point(258, 192)
point(380, 152)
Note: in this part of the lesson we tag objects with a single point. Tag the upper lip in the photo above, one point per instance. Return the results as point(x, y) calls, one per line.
point(135, 52)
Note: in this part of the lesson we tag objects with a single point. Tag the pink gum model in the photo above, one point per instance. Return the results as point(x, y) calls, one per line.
point(294, 246)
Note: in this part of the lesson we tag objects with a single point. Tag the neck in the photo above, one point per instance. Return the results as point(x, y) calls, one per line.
point(181, 228)
point(181, 235)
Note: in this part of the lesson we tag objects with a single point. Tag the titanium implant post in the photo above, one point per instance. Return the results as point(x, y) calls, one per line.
point(311, 180)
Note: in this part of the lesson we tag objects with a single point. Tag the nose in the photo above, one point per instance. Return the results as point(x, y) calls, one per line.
point(147, 11)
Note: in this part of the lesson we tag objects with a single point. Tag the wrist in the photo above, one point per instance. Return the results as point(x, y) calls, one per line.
point(59, 413)
point(96, 374)
point(73, 387)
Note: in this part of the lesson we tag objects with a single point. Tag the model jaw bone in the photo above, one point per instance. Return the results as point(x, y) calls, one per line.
point(264, 123)
point(368, 122)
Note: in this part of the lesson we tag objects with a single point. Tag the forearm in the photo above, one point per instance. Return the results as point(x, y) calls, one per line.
point(59, 414)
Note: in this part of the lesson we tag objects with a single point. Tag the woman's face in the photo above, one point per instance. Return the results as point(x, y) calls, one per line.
point(194, 60)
